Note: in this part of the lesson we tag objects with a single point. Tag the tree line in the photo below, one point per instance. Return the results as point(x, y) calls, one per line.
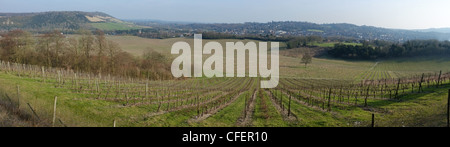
point(85, 52)
point(382, 49)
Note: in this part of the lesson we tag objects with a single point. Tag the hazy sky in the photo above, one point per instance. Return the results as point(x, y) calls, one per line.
point(406, 14)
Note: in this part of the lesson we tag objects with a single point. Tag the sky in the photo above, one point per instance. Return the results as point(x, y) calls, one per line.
point(398, 14)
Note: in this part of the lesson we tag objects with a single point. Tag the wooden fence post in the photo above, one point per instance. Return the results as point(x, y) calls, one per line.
point(54, 112)
point(245, 106)
point(146, 90)
point(439, 79)
point(373, 120)
point(367, 95)
point(281, 100)
point(43, 74)
point(34, 112)
point(420, 83)
point(289, 106)
point(396, 91)
point(18, 97)
point(59, 78)
point(329, 99)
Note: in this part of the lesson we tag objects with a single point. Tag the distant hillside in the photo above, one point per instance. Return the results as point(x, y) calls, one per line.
point(295, 28)
point(439, 30)
point(66, 21)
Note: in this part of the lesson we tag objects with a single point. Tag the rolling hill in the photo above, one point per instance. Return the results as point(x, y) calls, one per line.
point(70, 21)
point(66, 21)
point(439, 30)
point(295, 28)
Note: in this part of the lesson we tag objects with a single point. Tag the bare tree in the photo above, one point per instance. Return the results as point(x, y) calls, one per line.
point(72, 54)
point(101, 45)
point(86, 43)
point(112, 52)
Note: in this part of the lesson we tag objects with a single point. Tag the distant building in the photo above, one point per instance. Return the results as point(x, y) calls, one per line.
point(280, 32)
point(8, 22)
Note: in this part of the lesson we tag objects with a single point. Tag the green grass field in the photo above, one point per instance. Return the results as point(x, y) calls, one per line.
point(331, 44)
point(314, 30)
point(183, 102)
point(320, 67)
point(108, 26)
point(77, 109)
point(137, 45)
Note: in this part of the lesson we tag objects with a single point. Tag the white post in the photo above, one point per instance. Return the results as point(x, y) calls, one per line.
point(43, 74)
point(54, 112)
